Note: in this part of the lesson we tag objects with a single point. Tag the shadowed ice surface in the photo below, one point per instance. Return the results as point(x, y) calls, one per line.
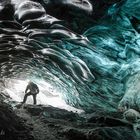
point(90, 70)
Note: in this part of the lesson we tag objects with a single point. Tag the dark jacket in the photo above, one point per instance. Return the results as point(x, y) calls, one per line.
point(33, 88)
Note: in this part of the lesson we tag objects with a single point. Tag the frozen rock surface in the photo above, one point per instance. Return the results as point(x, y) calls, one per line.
point(40, 122)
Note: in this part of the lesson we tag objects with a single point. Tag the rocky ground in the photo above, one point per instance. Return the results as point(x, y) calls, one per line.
point(39, 122)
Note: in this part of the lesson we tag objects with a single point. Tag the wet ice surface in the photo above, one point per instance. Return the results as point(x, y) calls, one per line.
point(89, 70)
point(96, 68)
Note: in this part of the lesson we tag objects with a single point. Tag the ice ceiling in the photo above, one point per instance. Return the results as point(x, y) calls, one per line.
point(89, 58)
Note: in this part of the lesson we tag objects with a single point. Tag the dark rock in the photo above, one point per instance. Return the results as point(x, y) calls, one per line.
point(52, 112)
point(106, 133)
point(109, 121)
point(11, 126)
point(74, 134)
point(34, 110)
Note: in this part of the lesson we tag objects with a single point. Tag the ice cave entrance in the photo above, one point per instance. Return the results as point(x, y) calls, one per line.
point(47, 96)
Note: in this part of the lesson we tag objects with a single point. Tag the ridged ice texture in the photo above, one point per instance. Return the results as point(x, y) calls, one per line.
point(92, 71)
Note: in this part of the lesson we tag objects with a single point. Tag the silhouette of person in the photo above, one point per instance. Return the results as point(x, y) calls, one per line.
point(31, 89)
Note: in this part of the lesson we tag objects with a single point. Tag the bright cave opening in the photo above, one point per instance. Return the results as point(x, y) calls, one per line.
point(48, 95)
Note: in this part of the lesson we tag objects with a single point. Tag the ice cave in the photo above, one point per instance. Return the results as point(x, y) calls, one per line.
point(84, 57)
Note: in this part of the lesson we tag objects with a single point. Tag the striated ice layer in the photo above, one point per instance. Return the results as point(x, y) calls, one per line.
point(95, 71)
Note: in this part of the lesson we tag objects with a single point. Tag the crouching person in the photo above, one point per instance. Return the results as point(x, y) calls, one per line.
point(31, 89)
